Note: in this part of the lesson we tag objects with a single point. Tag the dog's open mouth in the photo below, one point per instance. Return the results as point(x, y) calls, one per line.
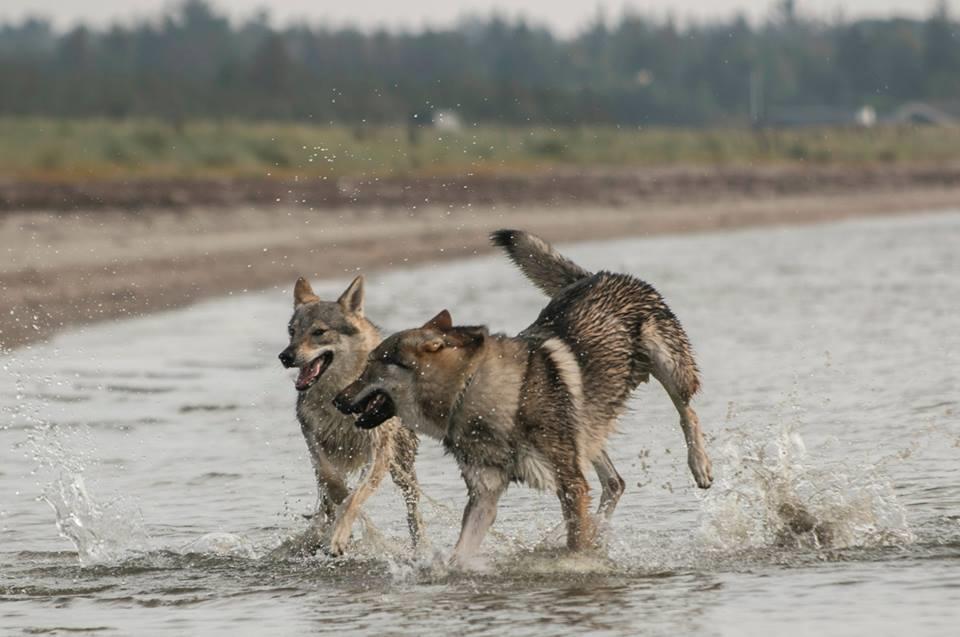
point(375, 410)
point(313, 370)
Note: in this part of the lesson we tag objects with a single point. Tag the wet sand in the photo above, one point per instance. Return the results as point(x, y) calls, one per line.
point(68, 268)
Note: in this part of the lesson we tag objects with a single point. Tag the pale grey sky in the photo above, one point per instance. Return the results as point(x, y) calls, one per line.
point(564, 16)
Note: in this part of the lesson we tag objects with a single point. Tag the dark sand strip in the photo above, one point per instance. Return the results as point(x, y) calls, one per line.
point(64, 269)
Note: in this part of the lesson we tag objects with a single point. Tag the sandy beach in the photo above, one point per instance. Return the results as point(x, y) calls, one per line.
point(68, 268)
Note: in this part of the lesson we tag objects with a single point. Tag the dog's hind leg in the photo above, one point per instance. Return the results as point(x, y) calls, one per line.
point(697, 458)
point(574, 494)
point(349, 509)
point(484, 486)
point(677, 373)
point(612, 483)
point(405, 477)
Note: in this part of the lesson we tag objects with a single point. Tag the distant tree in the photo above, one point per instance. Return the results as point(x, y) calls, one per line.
point(76, 50)
point(788, 11)
point(193, 62)
point(941, 53)
point(271, 67)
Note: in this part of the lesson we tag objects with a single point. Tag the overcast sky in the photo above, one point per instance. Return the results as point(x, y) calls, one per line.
point(563, 15)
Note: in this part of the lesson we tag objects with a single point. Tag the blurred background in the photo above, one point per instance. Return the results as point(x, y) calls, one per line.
point(228, 142)
point(192, 159)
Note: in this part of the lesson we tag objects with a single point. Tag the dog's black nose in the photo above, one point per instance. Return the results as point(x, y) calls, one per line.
point(342, 403)
point(286, 358)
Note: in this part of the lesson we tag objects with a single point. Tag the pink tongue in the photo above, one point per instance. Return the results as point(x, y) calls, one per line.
point(308, 373)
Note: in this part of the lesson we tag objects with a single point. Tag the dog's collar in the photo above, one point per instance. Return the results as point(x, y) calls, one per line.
point(458, 401)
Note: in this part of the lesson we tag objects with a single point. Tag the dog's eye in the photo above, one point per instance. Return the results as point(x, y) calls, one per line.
point(319, 332)
point(290, 330)
point(391, 360)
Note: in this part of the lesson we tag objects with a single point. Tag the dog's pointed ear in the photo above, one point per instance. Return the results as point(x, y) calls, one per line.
point(469, 336)
point(442, 321)
point(352, 298)
point(303, 293)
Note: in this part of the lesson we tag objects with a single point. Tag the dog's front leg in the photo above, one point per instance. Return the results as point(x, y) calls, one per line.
point(485, 487)
point(332, 490)
point(348, 511)
point(330, 481)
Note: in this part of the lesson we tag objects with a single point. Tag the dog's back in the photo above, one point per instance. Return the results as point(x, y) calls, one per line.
point(619, 331)
point(618, 327)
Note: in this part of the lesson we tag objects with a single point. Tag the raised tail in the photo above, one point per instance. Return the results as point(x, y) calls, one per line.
point(545, 267)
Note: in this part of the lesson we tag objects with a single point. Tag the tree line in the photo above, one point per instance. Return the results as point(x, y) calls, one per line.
point(195, 63)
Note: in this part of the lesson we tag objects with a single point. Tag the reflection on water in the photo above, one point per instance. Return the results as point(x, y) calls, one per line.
point(165, 452)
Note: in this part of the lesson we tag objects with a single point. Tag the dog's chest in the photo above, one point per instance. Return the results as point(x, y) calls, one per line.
point(480, 440)
point(335, 435)
point(483, 428)
point(484, 442)
point(489, 430)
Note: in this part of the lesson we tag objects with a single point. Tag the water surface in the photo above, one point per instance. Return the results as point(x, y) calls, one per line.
point(149, 464)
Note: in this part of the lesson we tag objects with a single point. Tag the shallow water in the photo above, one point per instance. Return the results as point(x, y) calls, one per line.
point(149, 464)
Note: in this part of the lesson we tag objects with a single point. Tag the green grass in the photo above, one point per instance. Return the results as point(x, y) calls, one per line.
point(102, 149)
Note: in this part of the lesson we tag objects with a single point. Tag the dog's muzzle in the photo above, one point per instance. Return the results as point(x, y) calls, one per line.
point(371, 410)
point(287, 357)
point(309, 373)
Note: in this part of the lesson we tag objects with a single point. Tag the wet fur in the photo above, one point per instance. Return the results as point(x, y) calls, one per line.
point(337, 448)
point(538, 408)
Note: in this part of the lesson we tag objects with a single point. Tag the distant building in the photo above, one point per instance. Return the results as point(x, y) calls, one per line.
point(446, 120)
point(644, 77)
point(923, 114)
point(914, 113)
point(866, 117)
point(800, 116)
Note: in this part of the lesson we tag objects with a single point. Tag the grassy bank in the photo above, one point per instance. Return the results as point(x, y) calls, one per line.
point(40, 149)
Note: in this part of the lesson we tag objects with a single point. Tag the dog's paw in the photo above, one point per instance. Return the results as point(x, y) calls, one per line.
point(468, 563)
point(339, 540)
point(701, 467)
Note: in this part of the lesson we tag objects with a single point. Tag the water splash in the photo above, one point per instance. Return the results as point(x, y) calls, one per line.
point(770, 492)
point(103, 531)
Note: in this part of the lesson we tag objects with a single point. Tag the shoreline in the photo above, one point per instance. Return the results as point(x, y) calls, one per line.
point(549, 185)
point(68, 269)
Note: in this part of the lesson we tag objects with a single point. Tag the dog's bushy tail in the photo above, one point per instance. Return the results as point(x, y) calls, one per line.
point(545, 267)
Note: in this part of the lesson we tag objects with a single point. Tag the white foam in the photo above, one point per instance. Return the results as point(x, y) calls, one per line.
point(771, 492)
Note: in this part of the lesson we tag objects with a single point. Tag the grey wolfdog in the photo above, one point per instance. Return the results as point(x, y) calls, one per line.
point(329, 342)
point(536, 408)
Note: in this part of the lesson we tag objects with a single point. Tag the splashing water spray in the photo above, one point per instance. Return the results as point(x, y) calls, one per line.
point(102, 532)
